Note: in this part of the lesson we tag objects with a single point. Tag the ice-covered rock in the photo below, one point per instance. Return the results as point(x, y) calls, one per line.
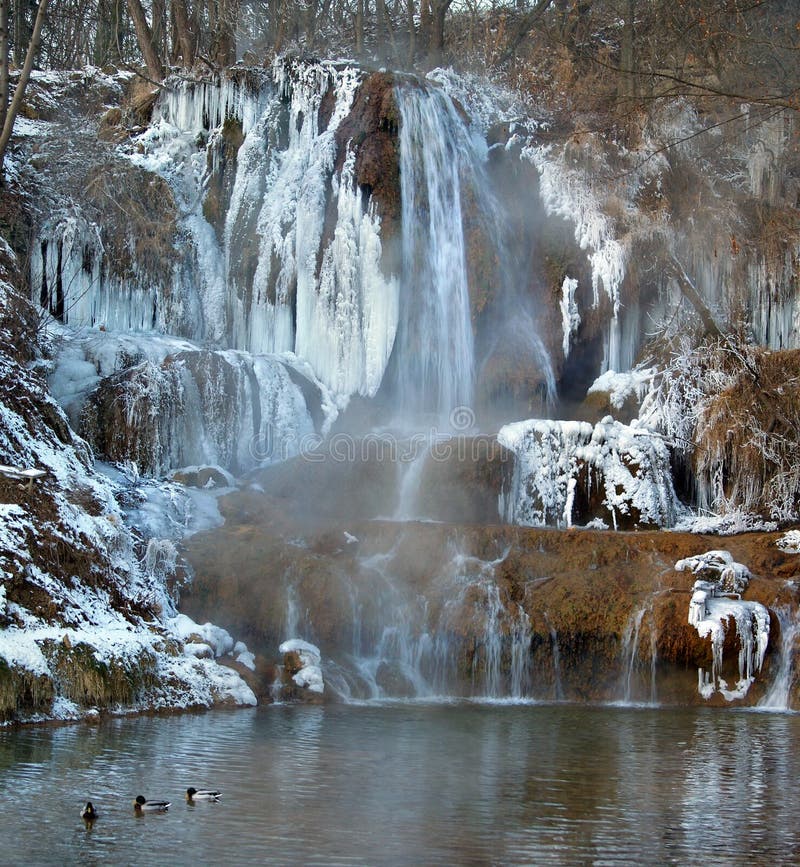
point(713, 612)
point(569, 472)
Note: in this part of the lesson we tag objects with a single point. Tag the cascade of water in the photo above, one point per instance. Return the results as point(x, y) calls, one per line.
point(409, 473)
point(778, 695)
point(558, 689)
point(653, 660)
point(292, 619)
point(630, 651)
point(435, 342)
point(404, 644)
point(521, 656)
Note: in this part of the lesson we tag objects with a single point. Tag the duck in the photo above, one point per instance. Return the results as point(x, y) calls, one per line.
point(193, 794)
point(141, 805)
point(88, 813)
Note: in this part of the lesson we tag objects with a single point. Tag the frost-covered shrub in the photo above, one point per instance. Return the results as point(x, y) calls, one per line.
point(733, 411)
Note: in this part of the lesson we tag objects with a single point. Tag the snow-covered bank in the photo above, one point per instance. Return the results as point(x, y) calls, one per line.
point(87, 607)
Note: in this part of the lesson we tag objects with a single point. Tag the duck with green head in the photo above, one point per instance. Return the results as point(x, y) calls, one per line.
point(142, 805)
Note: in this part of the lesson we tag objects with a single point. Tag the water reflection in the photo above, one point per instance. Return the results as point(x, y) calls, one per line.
point(408, 783)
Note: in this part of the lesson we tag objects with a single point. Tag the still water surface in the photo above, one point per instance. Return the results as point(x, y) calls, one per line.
point(410, 784)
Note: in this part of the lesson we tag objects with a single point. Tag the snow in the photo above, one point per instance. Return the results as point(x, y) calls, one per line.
point(712, 611)
point(225, 407)
point(567, 192)
point(486, 103)
point(218, 639)
point(790, 542)
point(622, 386)
point(570, 316)
point(343, 316)
point(243, 656)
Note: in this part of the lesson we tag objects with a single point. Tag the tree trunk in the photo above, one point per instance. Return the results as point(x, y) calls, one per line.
point(159, 15)
point(184, 37)
point(424, 24)
point(145, 38)
point(359, 27)
point(22, 31)
point(3, 62)
point(110, 32)
point(310, 23)
point(627, 58)
point(438, 10)
point(522, 28)
point(24, 77)
point(412, 34)
point(223, 51)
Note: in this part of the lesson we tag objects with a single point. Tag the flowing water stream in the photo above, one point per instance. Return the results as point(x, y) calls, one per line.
point(409, 783)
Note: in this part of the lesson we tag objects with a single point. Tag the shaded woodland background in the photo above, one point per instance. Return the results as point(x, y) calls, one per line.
point(605, 53)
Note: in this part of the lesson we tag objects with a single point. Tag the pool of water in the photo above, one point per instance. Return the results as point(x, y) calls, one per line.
point(410, 784)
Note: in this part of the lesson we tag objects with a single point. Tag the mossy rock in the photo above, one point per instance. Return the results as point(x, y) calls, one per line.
point(23, 693)
point(92, 682)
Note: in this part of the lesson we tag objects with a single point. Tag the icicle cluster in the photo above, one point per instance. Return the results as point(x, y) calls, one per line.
point(221, 408)
point(712, 611)
point(567, 193)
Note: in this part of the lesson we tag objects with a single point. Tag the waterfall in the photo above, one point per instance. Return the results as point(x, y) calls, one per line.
point(558, 689)
point(463, 637)
point(630, 652)
point(409, 477)
point(778, 696)
point(435, 350)
point(521, 656)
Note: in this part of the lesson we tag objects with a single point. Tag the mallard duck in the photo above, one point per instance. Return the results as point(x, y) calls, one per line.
point(141, 805)
point(201, 795)
point(88, 813)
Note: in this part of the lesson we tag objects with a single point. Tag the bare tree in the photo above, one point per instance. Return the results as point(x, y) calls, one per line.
point(144, 34)
point(10, 113)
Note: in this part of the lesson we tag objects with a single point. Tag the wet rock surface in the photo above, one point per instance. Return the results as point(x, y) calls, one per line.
point(605, 613)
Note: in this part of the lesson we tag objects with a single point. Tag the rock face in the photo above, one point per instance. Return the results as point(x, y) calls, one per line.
point(574, 473)
point(441, 609)
point(229, 409)
point(317, 251)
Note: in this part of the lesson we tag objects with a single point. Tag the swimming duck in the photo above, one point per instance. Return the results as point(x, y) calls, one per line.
point(201, 795)
point(88, 813)
point(140, 805)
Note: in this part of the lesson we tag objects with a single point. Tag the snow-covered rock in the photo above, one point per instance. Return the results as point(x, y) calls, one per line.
point(713, 611)
point(569, 472)
point(308, 675)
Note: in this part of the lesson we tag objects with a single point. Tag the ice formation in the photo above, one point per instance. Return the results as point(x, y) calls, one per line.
point(790, 542)
point(175, 405)
point(713, 610)
point(268, 279)
point(570, 316)
point(567, 193)
point(629, 465)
